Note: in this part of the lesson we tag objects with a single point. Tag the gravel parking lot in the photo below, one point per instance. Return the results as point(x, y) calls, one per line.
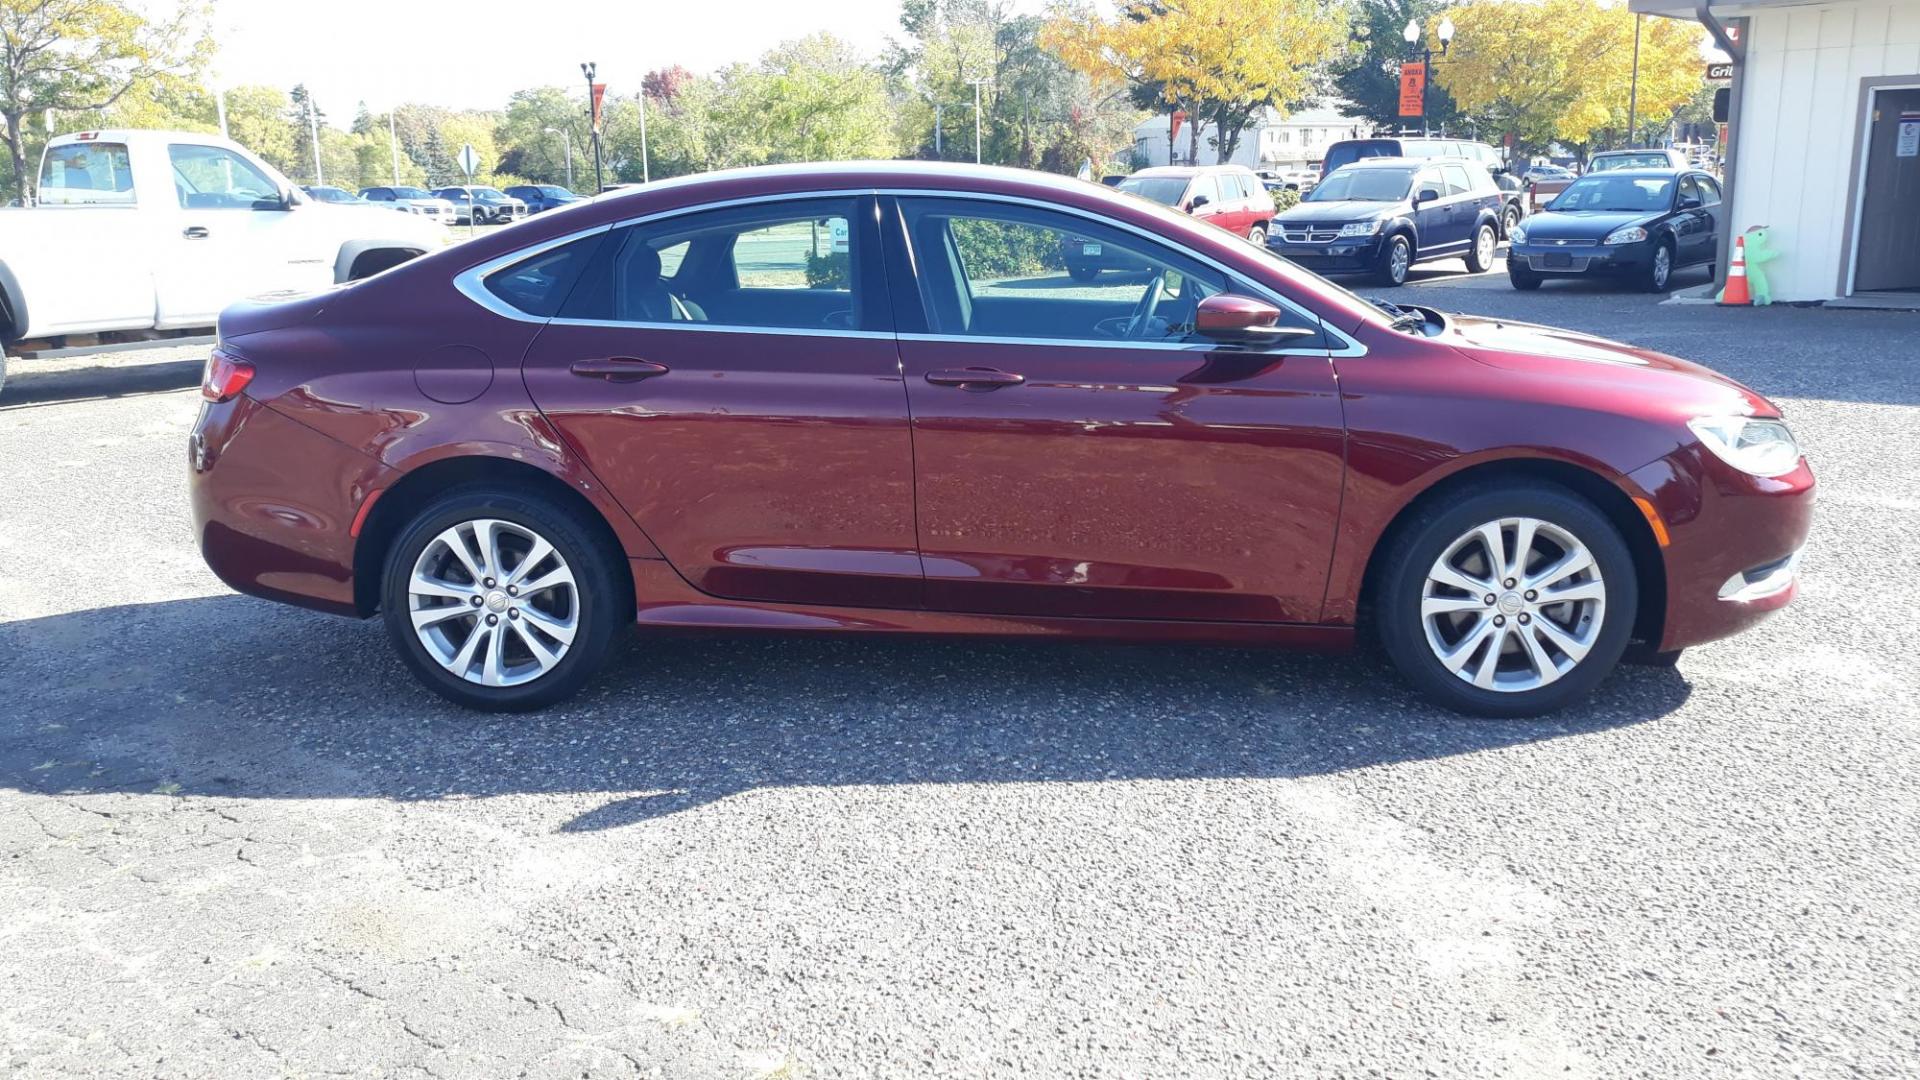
point(239, 841)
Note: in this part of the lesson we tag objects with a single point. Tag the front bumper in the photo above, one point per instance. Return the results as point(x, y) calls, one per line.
point(1341, 255)
point(1547, 257)
point(1734, 542)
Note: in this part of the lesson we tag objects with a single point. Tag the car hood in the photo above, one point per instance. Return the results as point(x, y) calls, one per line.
point(1652, 379)
point(1318, 213)
point(1581, 224)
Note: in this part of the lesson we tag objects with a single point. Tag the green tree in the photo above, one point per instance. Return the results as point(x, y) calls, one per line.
point(78, 55)
point(257, 118)
point(527, 134)
point(1368, 75)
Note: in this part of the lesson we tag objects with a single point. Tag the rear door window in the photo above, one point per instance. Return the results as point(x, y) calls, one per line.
point(1456, 180)
point(86, 174)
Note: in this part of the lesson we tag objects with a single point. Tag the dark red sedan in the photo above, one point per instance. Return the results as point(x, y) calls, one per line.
point(872, 398)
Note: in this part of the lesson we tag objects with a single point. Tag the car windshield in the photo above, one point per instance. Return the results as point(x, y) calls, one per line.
point(1363, 185)
point(409, 193)
point(558, 193)
point(1606, 162)
point(1165, 190)
point(487, 193)
point(329, 194)
point(1619, 194)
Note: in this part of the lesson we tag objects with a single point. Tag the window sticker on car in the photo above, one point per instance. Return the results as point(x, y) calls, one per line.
point(1090, 249)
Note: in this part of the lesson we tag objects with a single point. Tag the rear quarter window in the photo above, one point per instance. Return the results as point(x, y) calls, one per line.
point(86, 174)
point(539, 284)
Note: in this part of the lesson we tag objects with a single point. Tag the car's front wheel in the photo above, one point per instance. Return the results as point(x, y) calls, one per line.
point(1522, 278)
point(1659, 268)
point(1480, 255)
point(1396, 258)
point(1508, 601)
point(501, 600)
point(1083, 273)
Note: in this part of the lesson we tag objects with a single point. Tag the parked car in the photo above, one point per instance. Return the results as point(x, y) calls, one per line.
point(1383, 215)
point(540, 197)
point(148, 233)
point(1544, 183)
point(1549, 171)
point(482, 205)
point(333, 195)
point(412, 200)
point(642, 411)
point(1608, 160)
point(1300, 180)
point(1635, 224)
point(1348, 151)
point(1228, 196)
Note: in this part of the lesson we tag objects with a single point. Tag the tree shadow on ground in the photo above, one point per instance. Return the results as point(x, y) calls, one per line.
point(234, 697)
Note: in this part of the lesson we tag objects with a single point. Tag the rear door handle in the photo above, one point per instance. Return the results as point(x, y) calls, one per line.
point(618, 369)
point(975, 378)
point(194, 232)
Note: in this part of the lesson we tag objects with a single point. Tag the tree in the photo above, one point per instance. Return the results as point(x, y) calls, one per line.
point(528, 138)
point(305, 116)
point(1368, 76)
point(257, 118)
point(1561, 70)
point(78, 55)
point(664, 84)
point(1221, 60)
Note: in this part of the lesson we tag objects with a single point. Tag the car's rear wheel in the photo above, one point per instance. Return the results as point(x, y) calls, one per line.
point(1083, 273)
point(1258, 235)
point(500, 600)
point(1480, 255)
point(1396, 258)
point(1509, 601)
point(1510, 219)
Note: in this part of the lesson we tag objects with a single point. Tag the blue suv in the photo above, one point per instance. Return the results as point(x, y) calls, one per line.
point(540, 197)
point(1382, 215)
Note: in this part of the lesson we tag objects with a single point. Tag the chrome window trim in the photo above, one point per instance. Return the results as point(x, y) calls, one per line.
point(471, 282)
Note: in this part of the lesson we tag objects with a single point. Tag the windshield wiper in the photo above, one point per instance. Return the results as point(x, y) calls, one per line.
point(1403, 318)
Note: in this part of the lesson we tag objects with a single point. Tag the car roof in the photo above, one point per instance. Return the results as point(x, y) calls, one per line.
point(1393, 163)
point(1190, 170)
point(1644, 171)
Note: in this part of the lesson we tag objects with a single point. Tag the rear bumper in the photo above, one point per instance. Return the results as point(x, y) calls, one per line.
point(273, 504)
point(1733, 554)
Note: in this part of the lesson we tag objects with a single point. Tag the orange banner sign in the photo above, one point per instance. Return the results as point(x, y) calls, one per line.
point(1413, 89)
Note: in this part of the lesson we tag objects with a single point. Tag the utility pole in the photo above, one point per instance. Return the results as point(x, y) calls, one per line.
point(1633, 94)
point(393, 142)
point(977, 84)
point(313, 126)
point(938, 155)
point(593, 120)
point(220, 103)
point(646, 175)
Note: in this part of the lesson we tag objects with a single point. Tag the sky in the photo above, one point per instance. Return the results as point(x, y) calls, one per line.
point(388, 51)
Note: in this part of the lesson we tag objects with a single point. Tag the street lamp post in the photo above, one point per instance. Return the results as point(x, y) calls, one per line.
point(566, 142)
point(1425, 56)
point(977, 84)
point(593, 122)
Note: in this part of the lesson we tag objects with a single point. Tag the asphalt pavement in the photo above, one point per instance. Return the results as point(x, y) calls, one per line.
point(238, 840)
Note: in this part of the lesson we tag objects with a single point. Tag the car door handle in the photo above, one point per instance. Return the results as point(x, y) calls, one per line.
point(195, 232)
point(618, 369)
point(975, 378)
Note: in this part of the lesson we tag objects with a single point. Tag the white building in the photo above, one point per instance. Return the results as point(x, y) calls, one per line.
point(1274, 141)
point(1825, 140)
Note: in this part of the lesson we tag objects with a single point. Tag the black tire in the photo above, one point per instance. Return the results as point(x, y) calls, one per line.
point(1489, 237)
point(1656, 279)
point(1083, 273)
point(1509, 219)
point(1421, 540)
point(1522, 278)
point(598, 591)
point(1396, 259)
point(1258, 235)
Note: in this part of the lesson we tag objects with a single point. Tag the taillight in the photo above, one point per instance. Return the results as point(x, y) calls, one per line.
point(226, 376)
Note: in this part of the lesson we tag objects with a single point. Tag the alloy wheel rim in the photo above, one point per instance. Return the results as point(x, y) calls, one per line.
point(493, 602)
point(1483, 246)
point(1662, 266)
point(1402, 258)
point(1513, 605)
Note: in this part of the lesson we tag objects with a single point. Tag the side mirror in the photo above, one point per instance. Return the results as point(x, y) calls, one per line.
point(1242, 320)
point(1425, 195)
point(1690, 202)
point(1198, 202)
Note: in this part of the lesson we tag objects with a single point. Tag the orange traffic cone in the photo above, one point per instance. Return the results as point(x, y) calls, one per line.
point(1736, 290)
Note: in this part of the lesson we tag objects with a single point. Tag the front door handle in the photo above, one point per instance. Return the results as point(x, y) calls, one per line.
point(194, 232)
point(975, 378)
point(618, 369)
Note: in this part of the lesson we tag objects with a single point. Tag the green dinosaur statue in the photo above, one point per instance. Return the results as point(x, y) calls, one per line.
point(1759, 250)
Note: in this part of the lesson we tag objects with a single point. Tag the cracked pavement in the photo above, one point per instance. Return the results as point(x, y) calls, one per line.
point(238, 841)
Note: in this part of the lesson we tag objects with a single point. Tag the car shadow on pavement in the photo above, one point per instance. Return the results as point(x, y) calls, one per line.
point(234, 697)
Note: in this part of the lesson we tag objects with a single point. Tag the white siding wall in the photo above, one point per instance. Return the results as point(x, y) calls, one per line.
point(1799, 129)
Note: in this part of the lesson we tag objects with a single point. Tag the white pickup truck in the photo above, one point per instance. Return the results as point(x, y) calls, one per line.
point(141, 233)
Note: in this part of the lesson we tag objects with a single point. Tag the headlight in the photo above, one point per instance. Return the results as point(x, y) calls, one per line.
point(1517, 234)
point(1361, 228)
point(1632, 235)
point(1754, 446)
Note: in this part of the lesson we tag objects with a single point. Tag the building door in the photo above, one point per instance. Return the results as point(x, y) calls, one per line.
point(1888, 253)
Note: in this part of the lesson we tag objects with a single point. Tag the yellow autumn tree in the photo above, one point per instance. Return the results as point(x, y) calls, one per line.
point(1562, 70)
point(1220, 60)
